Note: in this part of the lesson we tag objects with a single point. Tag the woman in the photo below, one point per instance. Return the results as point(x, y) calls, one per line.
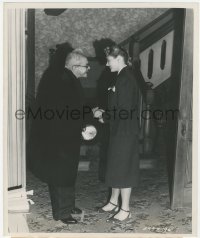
point(123, 158)
point(106, 79)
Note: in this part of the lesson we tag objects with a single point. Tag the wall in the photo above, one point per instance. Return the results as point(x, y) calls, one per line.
point(81, 27)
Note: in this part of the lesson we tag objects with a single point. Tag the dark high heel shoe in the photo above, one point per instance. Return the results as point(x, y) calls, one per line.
point(115, 220)
point(115, 208)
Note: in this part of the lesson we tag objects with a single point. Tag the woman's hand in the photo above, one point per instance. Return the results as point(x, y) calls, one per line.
point(101, 120)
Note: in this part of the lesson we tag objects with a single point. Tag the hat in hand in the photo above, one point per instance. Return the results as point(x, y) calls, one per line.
point(89, 132)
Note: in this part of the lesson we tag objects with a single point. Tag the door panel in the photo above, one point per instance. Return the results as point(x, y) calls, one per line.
point(159, 74)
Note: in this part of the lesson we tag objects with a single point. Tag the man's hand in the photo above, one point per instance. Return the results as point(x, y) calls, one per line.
point(97, 112)
point(94, 109)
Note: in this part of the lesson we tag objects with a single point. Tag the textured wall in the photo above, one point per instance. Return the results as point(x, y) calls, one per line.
point(81, 27)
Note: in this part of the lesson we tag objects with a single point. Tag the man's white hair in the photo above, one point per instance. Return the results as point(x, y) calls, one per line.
point(74, 58)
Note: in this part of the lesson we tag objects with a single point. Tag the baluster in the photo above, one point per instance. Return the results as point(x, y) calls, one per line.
point(148, 141)
point(148, 97)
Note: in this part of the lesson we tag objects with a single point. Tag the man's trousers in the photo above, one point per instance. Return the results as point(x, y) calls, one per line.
point(62, 201)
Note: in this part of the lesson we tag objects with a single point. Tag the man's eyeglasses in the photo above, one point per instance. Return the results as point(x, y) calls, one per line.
point(84, 66)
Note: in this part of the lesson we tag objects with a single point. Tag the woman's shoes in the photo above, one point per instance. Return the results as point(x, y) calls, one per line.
point(113, 219)
point(114, 209)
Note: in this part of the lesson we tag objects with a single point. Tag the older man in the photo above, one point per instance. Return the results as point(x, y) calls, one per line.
point(56, 133)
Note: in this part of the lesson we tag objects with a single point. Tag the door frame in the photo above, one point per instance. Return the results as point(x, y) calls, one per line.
point(180, 195)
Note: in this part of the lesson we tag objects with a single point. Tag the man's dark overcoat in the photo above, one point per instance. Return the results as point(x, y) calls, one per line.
point(54, 145)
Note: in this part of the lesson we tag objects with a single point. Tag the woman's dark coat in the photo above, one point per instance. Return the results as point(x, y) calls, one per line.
point(123, 157)
point(54, 145)
point(106, 80)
